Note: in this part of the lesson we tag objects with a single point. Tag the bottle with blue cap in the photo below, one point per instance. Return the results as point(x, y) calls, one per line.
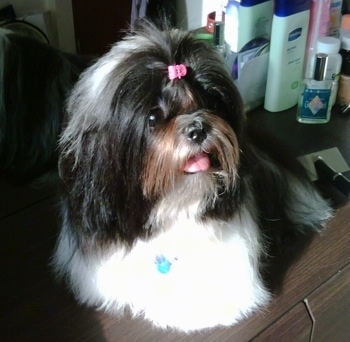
point(255, 21)
point(287, 50)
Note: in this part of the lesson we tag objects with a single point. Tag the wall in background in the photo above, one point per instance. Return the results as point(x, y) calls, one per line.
point(62, 13)
point(23, 7)
point(192, 14)
point(60, 23)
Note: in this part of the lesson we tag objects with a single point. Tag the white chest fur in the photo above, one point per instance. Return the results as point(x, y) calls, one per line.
point(213, 277)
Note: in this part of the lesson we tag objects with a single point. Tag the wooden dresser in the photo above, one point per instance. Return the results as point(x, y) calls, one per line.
point(313, 303)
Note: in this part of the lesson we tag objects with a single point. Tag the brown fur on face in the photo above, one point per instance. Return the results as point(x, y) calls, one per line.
point(170, 149)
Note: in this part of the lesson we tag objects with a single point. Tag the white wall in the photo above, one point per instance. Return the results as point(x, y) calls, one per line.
point(192, 14)
point(62, 14)
point(60, 24)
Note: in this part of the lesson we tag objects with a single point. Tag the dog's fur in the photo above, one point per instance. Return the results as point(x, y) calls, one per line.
point(35, 79)
point(127, 201)
point(129, 198)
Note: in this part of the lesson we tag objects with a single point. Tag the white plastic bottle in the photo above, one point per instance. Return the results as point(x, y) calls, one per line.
point(331, 47)
point(320, 12)
point(287, 51)
point(255, 20)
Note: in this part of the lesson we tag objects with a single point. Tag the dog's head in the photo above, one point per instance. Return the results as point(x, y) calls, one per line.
point(156, 120)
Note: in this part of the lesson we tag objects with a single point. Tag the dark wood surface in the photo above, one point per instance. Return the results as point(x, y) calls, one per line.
point(331, 308)
point(35, 307)
point(295, 325)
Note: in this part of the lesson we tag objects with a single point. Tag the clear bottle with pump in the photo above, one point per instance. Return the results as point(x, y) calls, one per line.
point(314, 105)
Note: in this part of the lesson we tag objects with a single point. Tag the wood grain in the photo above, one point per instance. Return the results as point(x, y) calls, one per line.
point(35, 307)
point(295, 325)
point(330, 306)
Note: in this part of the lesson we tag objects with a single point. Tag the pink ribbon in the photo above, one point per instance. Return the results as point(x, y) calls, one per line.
point(176, 71)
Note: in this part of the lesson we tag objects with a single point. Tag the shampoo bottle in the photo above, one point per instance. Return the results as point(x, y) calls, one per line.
point(314, 105)
point(255, 20)
point(287, 51)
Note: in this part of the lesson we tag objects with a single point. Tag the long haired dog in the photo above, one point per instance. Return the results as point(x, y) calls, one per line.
point(170, 209)
point(35, 79)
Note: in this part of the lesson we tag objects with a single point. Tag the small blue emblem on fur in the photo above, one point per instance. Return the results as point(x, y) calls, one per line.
point(163, 264)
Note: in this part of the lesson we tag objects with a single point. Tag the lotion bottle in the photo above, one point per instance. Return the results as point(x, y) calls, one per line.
point(255, 20)
point(287, 51)
point(314, 105)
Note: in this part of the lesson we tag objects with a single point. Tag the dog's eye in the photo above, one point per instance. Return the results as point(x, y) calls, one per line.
point(154, 117)
point(152, 120)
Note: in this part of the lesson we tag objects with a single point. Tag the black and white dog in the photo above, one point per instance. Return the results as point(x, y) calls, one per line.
point(171, 207)
point(35, 79)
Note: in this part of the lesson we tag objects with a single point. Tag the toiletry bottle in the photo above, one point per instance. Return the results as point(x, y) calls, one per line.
point(343, 97)
point(254, 33)
point(231, 32)
point(335, 18)
point(314, 105)
point(331, 47)
point(287, 52)
point(219, 40)
point(255, 20)
point(231, 25)
point(318, 27)
point(345, 22)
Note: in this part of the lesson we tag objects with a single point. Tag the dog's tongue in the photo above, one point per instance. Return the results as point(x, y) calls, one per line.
point(197, 163)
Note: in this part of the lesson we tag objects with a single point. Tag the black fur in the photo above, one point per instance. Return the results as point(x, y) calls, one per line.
point(139, 86)
point(112, 168)
point(123, 150)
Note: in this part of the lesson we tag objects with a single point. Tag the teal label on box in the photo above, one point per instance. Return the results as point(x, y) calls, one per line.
point(315, 103)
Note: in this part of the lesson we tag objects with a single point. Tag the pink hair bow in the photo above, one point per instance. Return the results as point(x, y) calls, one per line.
point(176, 71)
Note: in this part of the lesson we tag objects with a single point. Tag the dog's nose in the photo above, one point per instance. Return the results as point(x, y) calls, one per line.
point(196, 132)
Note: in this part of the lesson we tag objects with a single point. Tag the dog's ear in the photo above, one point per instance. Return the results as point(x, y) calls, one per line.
point(102, 191)
point(101, 163)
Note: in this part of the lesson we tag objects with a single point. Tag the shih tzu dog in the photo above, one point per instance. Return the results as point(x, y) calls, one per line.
point(170, 205)
point(35, 79)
